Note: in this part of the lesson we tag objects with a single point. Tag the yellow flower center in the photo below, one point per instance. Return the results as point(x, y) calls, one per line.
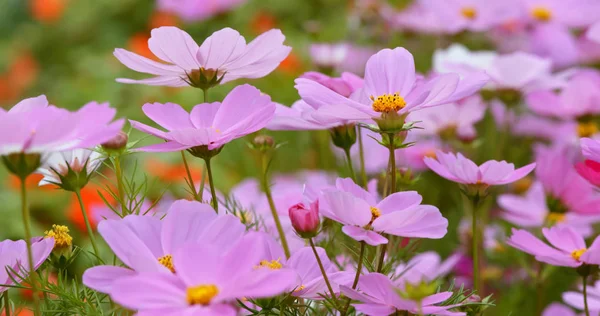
point(586, 129)
point(388, 103)
point(430, 153)
point(554, 218)
point(300, 288)
point(541, 13)
point(167, 261)
point(469, 13)
point(201, 294)
point(61, 236)
point(521, 186)
point(273, 264)
point(576, 254)
point(245, 217)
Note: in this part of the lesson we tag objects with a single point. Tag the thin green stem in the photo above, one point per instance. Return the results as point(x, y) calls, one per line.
point(87, 223)
point(350, 166)
point(267, 189)
point(312, 245)
point(392, 148)
point(383, 248)
point(475, 248)
point(205, 95)
point(190, 179)
point(27, 224)
point(6, 303)
point(361, 153)
point(357, 276)
point(585, 300)
point(120, 186)
point(213, 192)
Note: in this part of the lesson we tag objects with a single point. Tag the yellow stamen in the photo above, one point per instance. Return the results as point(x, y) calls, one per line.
point(576, 254)
point(300, 288)
point(388, 103)
point(541, 13)
point(61, 236)
point(469, 13)
point(554, 218)
point(167, 261)
point(201, 294)
point(430, 153)
point(273, 264)
point(375, 212)
point(587, 129)
point(245, 217)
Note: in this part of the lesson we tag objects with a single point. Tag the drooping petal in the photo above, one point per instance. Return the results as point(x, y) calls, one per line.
point(175, 46)
point(102, 278)
point(368, 236)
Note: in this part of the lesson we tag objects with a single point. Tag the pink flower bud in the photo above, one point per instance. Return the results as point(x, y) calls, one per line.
point(305, 221)
point(590, 170)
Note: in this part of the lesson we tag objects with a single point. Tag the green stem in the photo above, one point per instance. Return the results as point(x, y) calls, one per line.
point(312, 245)
point(475, 248)
point(349, 161)
point(267, 189)
point(87, 224)
point(213, 192)
point(120, 186)
point(357, 276)
point(205, 95)
point(383, 248)
point(6, 303)
point(361, 152)
point(585, 300)
point(392, 149)
point(27, 224)
point(190, 179)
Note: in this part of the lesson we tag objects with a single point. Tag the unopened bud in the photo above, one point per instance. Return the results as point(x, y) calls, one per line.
point(116, 143)
point(305, 221)
point(263, 141)
point(343, 136)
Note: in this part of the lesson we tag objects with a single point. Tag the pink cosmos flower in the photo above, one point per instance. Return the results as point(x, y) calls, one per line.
point(568, 246)
point(194, 10)
point(523, 72)
point(147, 243)
point(378, 296)
point(457, 58)
point(426, 266)
point(34, 126)
point(580, 97)
point(594, 32)
point(452, 119)
point(533, 210)
point(244, 110)
point(306, 221)
point(459, 169)
point(329, 56)
point(13, 255)
point(590, 170)
point(575, 299)
point(390, 86)
point(472, 15)
point(399, 214)
point(305, 114)
point(224, 56)
point(417, 18)
point(83, 161)
point(567, 13)
point(557, 309)
point(207, 282)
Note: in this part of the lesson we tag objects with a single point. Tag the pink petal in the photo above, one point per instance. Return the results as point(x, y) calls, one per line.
point(360, 234)
point(175, 46)
point(390, 71)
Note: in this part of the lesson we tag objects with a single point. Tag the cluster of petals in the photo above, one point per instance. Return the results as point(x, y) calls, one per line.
point(224, 54)
point(243, 111)
point(365, 219)
point(35, 126)
point(13, 258)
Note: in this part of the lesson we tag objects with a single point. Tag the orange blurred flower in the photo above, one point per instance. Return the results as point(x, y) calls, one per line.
point(31, 182)
point(262, 22)
point(19, 312)
point(159, 19)
point(91, 198)
point(138, 44)
point(47, 11)
point(19, 76)
point(291, 65)
point(172, 173)
point(28, 294)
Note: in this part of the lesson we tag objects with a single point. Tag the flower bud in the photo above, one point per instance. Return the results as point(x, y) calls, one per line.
point(116, 143)
point(21, 164)
point(343, 136)
point(305, 221)
point(263, 142)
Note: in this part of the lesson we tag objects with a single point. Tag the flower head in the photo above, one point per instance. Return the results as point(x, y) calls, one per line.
point(306, 221)
point(148, 244)
point(568, 246)
point(71, 169)
point(590, 170)
point(208, 279)
point(14, 256)
point(194, 11)
point(399, 214)
point(391, 90)
point(224, 56)
point(380, 296)
point(209, 126)
point(459, 169)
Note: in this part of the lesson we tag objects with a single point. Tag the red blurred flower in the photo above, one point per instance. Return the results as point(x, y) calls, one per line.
point(590, 170)
point(19, 76)
point(91, 198)
point(172, 173)
point(291, 65)
point(159, 19)
point(47, 11)
point(262, 22)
